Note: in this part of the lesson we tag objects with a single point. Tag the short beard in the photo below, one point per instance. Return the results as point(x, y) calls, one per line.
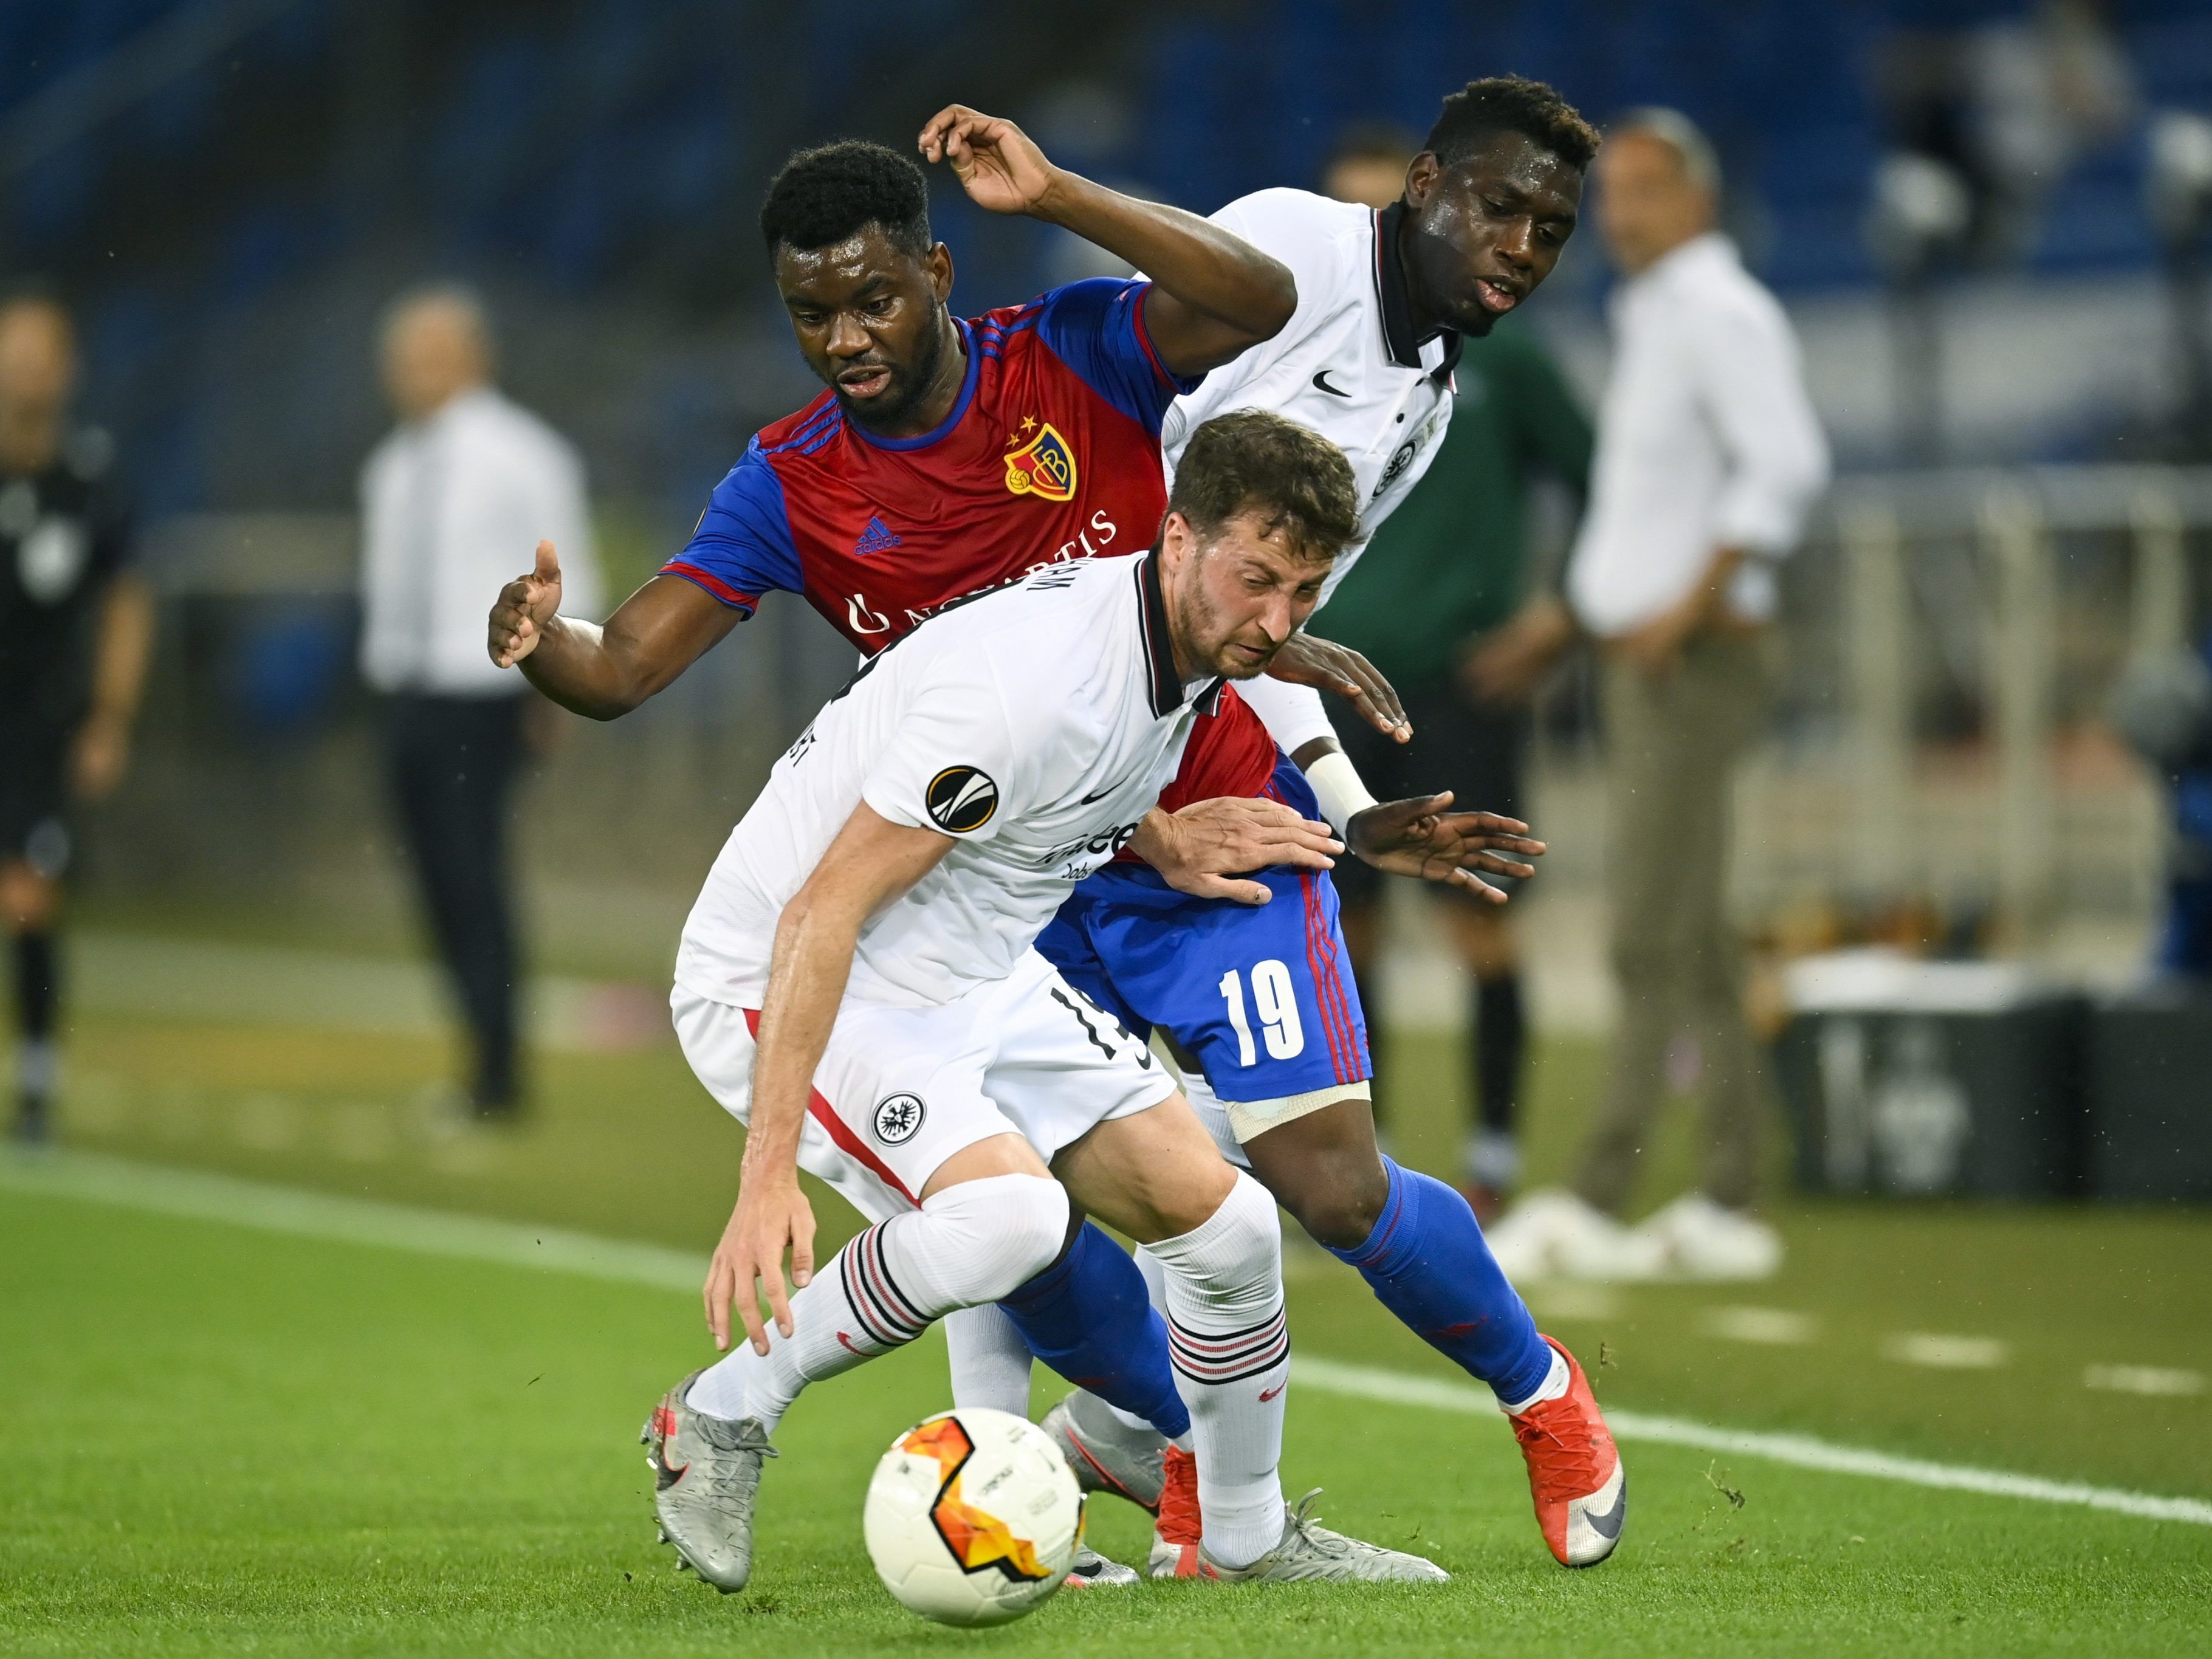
point(893, 409)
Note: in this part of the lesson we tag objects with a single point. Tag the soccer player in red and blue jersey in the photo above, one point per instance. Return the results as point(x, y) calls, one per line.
point(946, 457)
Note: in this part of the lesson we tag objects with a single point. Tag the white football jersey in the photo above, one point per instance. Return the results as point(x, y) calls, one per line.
point(1036, 725)
point(1348, 366)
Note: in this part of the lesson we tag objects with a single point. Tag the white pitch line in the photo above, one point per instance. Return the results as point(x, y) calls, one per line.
point(434, 1232)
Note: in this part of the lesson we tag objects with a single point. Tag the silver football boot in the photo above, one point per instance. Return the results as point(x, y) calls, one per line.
point(706, 1474)
point(1092, 1571)
point(1309, 1552)
point(1106, 1455)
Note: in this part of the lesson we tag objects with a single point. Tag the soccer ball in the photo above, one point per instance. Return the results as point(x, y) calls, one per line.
point(973, 1518)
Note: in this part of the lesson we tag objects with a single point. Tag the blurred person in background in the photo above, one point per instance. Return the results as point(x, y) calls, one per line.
point(1443, 570)
point(1709, 458)
point(75, 630)
point(464, 480)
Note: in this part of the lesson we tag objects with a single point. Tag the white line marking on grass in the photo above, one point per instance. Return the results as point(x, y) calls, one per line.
point(434, 1232)
point(1802, 1451)
point(1947, 1354)
point(2143, 1379)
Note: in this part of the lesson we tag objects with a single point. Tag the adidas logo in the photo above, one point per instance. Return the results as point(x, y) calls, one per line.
point(875, 539)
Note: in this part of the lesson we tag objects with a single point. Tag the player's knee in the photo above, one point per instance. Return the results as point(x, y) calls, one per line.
point(1340, 1200)
point(1243, 1238)
point(1008, 1230)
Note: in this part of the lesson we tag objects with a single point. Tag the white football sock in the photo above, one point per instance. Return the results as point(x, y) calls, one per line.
point(989, 1360)
point(1553, 1385)
point(971, 1243)
point(1232, 1352)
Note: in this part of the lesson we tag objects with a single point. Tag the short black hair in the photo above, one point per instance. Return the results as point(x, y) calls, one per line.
point(1287, 476)
point(1480, 110)
point(824, 196)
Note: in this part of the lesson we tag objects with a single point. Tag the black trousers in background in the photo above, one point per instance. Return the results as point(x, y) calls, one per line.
point(451, 763)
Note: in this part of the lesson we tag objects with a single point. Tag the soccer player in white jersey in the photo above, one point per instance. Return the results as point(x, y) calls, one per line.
point(1258, 1004)
point(856, 983)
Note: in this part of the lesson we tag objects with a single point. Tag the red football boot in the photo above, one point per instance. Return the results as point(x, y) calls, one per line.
point(1574, 1472)
point(1176, 1535)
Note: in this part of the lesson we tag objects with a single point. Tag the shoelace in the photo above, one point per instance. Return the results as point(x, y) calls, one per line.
point(1179, 1521)
point(1307, 1525)
point(1561, 1458)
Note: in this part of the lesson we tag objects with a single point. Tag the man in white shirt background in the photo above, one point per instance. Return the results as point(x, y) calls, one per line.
point(1708, 458)
point(463, 481)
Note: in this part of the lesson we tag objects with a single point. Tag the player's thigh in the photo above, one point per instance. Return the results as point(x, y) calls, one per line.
point(1261, 996)
point(1324, 1166)
point(1059, 1065)
point(1153, 1173)
point(897, 1097)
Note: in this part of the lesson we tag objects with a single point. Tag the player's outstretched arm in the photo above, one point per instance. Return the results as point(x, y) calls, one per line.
point(1419, 837)
point(603, 669)
point(871, 862)
point(1213, 295)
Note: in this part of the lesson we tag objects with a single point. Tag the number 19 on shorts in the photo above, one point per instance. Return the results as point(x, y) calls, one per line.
point(1277, 1005)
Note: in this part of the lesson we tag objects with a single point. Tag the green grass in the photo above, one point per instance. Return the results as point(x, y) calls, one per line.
point(212, 1440)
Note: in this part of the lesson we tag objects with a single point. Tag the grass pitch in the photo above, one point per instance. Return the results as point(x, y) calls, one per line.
point(216, 1440)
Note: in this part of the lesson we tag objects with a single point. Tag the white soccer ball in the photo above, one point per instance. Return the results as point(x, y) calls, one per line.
point(973, 1518)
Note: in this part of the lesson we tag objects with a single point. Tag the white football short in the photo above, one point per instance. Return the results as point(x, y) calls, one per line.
point(901, 1090)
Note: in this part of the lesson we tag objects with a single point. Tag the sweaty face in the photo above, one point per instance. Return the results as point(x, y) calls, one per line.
point(1647, 204)
point(38, 359)
point(1488, 229)
point(866, 314)
point(1236, 595)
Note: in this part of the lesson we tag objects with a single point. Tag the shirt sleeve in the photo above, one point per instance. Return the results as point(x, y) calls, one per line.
point(1096, 328)
point(955, 764)
point(1755, 390)
point(742, 547)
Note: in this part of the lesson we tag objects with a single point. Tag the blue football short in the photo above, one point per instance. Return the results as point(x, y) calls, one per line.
point(1261, 995)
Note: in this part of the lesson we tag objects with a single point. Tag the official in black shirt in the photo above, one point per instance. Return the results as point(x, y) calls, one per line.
point(75, 628)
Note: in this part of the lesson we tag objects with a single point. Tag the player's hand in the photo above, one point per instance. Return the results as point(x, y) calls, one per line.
point(101, 754)
point(525, 606)
point(1199, 848)
point(771, 1214)
point(1417, 837)
point(1326, 666)
point(996, 162)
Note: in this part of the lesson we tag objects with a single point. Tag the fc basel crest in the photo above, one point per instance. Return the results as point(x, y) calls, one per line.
point(1045, 466)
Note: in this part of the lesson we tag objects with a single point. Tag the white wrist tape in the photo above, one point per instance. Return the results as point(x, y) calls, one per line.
point(1336, 785)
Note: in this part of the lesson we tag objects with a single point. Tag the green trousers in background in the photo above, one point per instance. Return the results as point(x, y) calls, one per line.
point(1673, 741)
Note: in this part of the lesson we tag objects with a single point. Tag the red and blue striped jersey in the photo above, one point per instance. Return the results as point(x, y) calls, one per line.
point(1051, 452)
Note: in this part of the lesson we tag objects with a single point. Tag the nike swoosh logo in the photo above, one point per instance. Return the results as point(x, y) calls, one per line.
point(846, 1343)
point(1321, 384)
point(1100, 795)
point(1265, 1395)
point(1608, 1526)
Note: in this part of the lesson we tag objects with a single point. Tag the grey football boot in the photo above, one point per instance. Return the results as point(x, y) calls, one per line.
point(1106, 1455)
point(1309, 1552)
point(706, 1474)
point(1092, 1571)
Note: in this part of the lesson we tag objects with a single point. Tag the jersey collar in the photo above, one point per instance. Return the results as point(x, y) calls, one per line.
point(1397, 305)
point(1166, 692)
point(959, 404)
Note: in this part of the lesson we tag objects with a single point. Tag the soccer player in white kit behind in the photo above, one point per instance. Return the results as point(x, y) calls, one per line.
point(856, 983)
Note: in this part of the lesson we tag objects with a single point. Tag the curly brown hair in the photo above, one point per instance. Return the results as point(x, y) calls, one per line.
point(1287, 476)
